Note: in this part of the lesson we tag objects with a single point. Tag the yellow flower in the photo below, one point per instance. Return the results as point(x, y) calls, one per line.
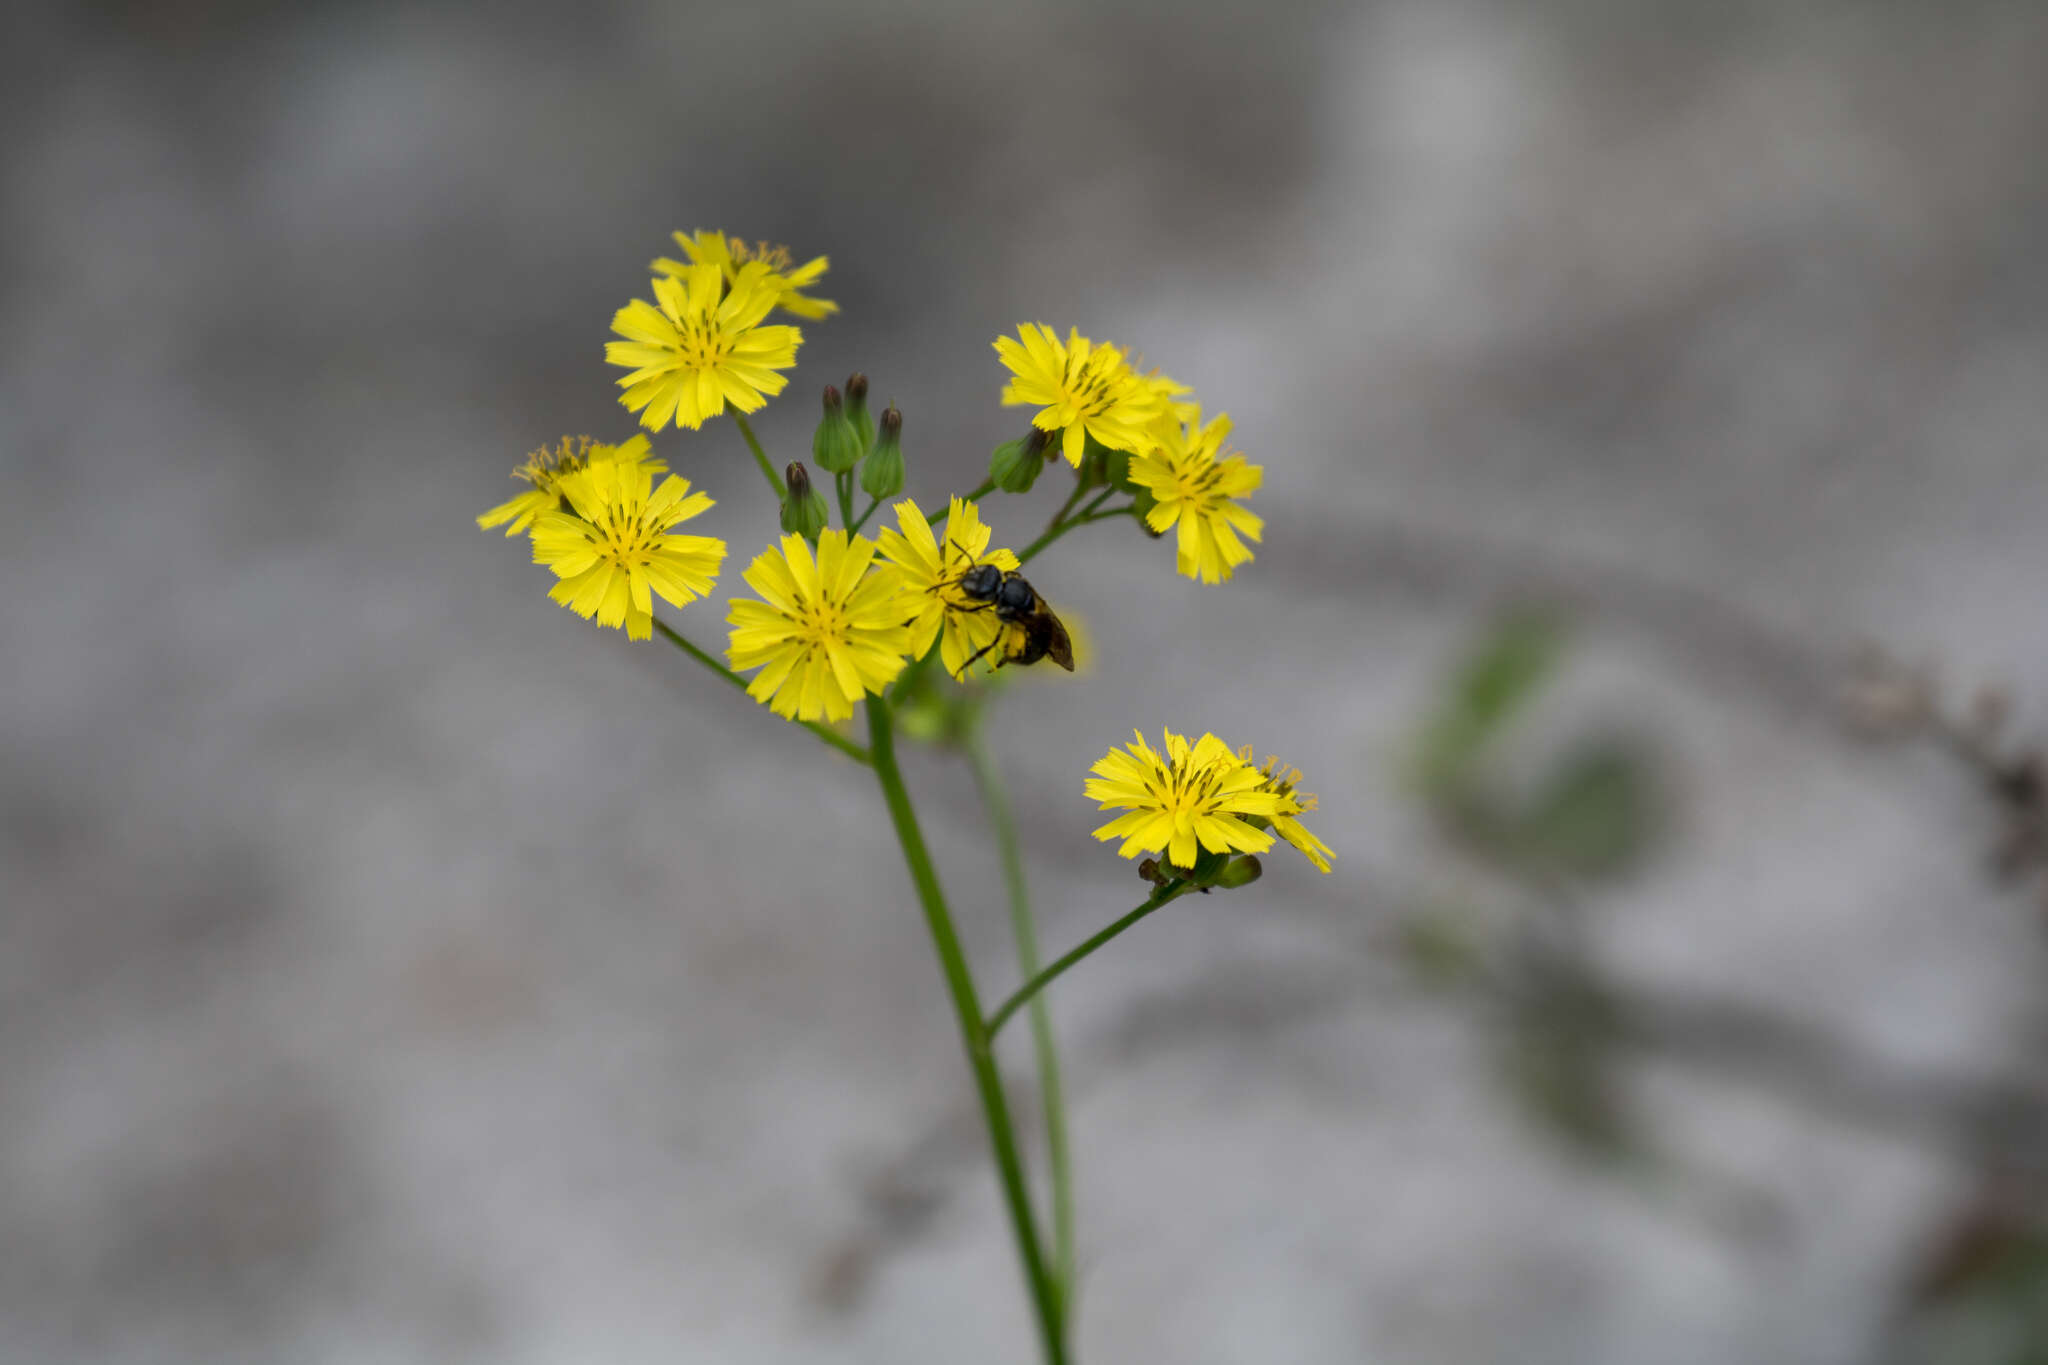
point(1193, 487)
point(730, 253)
point(828, 631)
point(545, 469)
point(1282, 783)
point(929, 575)
point(696, 351)
point(1084, 390)
point(1198, 795)
point(616, 551)
point(1167, 395)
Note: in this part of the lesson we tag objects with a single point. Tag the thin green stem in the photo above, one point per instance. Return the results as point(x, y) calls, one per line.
point(824, 732)
point(1065, 507)
point(842, 483)
point(974, 1037)
point(1054, 532)
point(760, 457)
point(862, 519)
point(988, 486)
point(1058, 1152)
point(1025, 992)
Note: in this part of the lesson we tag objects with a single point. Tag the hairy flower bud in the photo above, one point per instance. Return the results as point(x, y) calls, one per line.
point(803, 508)
point(836, 446)
point(857, 411)
point(882, 475)
point(1016, 465)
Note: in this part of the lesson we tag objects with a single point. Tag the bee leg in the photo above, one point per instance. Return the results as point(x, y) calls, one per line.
point(961, 673)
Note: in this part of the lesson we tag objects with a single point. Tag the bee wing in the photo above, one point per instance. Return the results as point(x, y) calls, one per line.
point(1058, 647)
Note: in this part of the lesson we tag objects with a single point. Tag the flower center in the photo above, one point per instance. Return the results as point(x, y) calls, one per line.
point(702, 345)
point(627, 539)
point(1086, 385)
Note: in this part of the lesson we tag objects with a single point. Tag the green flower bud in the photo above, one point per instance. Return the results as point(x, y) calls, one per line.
point(857, 412)
point(1209, 865)
point(1241, 871)
point(836, 446)
point(1016, 465)
point(803, 510)
point(882, 475)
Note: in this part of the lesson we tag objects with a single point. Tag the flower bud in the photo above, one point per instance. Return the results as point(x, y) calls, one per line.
point(1209, 865)
point(1240, 871)
point(836, 446)
point(803, 509)
point(1016, 465)
point(857, 411)
point(882, 475)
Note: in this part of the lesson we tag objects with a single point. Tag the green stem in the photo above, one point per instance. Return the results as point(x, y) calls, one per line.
point(988, 486)
point(1055, 531)
point(760, 457)
point(842, 483)
point(974, 1037)
point(1058, 1153)
point(1025, 992)
point(862, 519)
point(1072, 498)
point(824, 732)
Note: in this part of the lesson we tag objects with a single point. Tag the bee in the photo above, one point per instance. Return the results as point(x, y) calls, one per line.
point(1039, 634)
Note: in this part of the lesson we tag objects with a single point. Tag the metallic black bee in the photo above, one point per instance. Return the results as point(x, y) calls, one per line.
point(1039, 634)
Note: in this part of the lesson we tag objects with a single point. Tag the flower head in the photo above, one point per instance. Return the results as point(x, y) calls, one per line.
point(927, 572)
point(730, 253)
point(1198, 796)
point(616, 552)
point(1082, 389)
point(545, 469)
point(1282, 782)
point(1194, 485)
point(700, 345)
point(827, 630)
point(1169, 396)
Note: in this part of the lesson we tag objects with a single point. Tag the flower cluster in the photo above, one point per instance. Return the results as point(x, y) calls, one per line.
point(1091, 397)
point(837, 616)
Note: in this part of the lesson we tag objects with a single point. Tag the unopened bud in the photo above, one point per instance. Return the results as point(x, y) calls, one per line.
point(857, 411)
point(1209, 865)
point(1239, 871)
point(803, 508)
point(835, 445)
point(882, 475)
point(1016, 465)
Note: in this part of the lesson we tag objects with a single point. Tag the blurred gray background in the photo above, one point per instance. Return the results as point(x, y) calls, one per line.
point(395, 969)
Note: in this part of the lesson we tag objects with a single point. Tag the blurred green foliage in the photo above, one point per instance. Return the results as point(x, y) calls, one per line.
point(1594, 814)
